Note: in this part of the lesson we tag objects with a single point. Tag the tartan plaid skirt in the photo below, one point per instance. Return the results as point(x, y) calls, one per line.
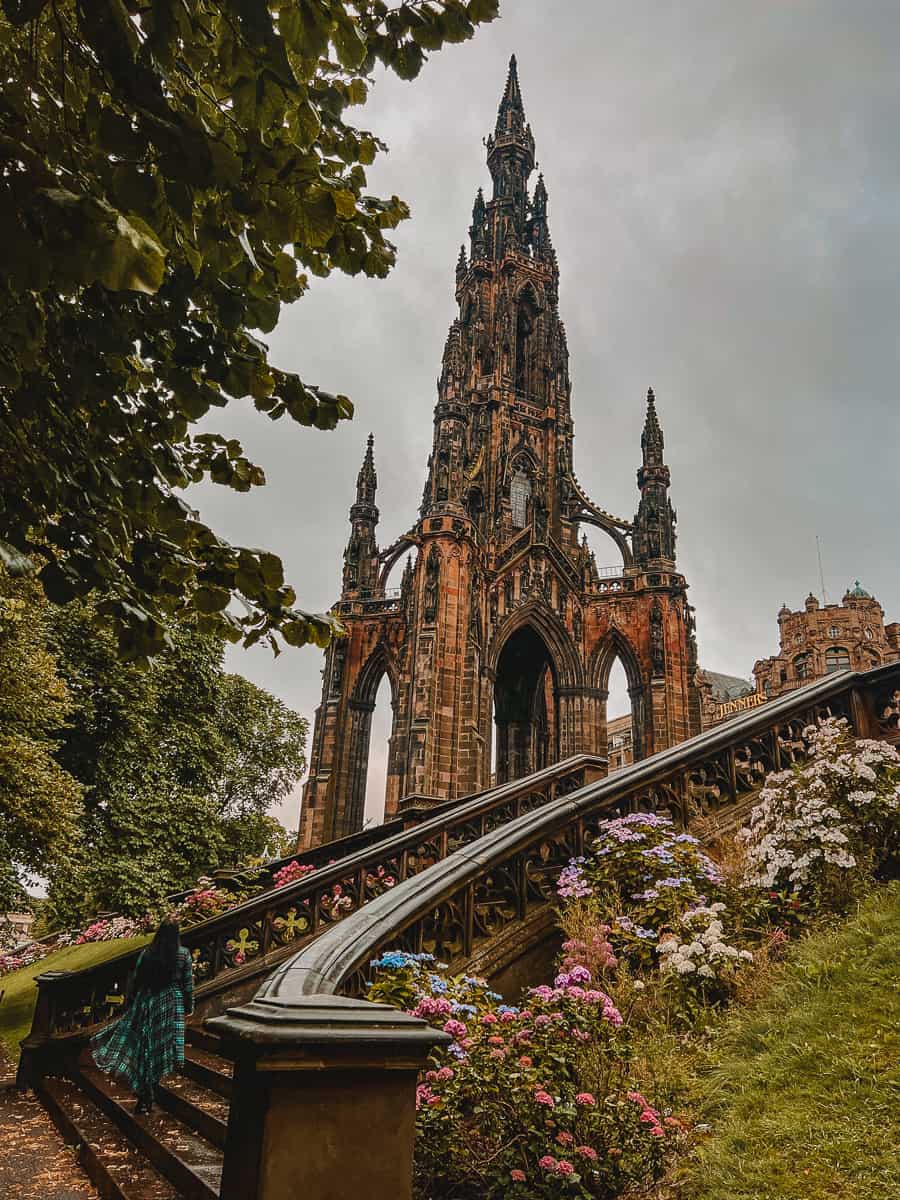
point(147, 1041)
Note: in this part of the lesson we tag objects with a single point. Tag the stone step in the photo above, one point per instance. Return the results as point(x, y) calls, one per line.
point(209, 1070)
point(188, 1160)
point(196, 1035)
point(112, 1163)
point(195, 1106)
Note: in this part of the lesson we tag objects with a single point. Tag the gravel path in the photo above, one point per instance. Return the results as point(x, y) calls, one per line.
point(35, 1163)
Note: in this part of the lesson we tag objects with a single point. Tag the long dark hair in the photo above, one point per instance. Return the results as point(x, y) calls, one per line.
point(159, 962)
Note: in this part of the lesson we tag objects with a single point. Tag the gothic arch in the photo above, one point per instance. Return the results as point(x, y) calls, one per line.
point(616, 646)
point(361, 706)
point(554, 634)
point(373, 670)
point(600, 522)
point(388, 557)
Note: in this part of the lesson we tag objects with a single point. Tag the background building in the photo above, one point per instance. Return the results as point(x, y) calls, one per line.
point(817, 640)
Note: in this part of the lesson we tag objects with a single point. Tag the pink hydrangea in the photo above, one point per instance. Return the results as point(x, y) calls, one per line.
point(517, 1176)
point(547, 1163)
point(587, 1152)
point(565, 1139)
point(542, 1097)
point(586, 1100)
point(564, 1167)
point(432, 1006)
point(489, 1018)
point(525, 1061)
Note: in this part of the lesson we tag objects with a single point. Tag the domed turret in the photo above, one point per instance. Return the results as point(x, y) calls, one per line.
point(812, 603)
point(857, 592)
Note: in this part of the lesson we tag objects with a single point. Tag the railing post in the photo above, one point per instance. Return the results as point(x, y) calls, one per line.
point(862, 714)
point(324, 1100)
point(36, 1048)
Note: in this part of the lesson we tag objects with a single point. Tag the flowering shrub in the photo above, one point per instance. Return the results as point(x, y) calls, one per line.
point(821, 826)
point(23, 956)
point(204, 902)
point(507, 1108)
point(640, 875)
point(379, 881)
point(291, 872)
point(108, 929)
point(698, 957)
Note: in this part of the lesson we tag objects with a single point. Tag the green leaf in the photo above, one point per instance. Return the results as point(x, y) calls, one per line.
point(348, 41)
point(483, 10)
point(317, 214)
point(210, 599)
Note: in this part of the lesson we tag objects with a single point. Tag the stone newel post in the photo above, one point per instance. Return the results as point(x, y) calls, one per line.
point(323, 1106)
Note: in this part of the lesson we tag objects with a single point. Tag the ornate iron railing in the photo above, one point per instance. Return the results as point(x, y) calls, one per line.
point(470, 896)
point(254, 935)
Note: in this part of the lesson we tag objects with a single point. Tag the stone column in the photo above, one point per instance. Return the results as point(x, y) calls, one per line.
point(324, 1098)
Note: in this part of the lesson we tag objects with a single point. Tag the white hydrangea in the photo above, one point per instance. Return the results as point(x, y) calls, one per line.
point(818, 813)
point(701, 947)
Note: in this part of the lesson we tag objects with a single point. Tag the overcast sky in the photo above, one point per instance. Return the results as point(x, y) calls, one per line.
point(724, 184)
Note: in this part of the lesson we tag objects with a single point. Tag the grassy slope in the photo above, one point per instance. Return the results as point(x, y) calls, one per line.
point(804, 1093)
point(18, 1002)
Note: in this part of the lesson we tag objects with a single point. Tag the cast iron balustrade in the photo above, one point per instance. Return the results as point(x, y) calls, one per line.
point(471, 894)
point(253, 936)
point(297, 1032)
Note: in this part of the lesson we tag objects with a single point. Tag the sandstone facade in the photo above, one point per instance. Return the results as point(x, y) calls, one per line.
point(502, 626)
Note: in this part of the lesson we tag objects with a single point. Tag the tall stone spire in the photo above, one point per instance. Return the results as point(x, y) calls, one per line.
point(654, 524)
point(477, 230)
point(511, 113)
point(510, 160)
point(367, 480)
point(539, 230)
point(361, 555)
point(652, 438)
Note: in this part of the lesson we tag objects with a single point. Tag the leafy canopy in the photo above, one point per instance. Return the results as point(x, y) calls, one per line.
point(171, 172)
point(40, 802)
point(180, 764)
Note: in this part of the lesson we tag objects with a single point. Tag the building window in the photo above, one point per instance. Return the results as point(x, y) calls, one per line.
point(834, 632)
point(519, 491)
point(837, 659)
point(867, 632)
point(801, 666)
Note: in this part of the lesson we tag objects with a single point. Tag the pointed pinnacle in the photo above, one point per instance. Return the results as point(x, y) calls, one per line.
point(512, 95)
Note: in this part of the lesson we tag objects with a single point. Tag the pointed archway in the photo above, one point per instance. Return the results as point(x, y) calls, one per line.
point(526, 706)
point(616, 649)
point(361, 707)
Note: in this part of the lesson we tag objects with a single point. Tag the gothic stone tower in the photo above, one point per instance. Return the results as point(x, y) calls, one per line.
point(503, 624)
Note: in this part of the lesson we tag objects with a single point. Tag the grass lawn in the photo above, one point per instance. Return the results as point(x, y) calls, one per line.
point(18, 1002)
point(803, 1094)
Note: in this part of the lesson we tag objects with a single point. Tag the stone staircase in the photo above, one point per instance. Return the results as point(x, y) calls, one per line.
point(467, 878)
point(175, 1152)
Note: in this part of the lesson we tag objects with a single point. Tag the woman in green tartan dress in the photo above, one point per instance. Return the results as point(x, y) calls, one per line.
point(147, 1041)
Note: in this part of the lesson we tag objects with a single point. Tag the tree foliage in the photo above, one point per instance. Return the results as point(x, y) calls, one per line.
point(39, 800)
point(180, 761)
point(171, 173)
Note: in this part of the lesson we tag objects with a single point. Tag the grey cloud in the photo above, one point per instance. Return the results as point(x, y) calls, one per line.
point(724, 184)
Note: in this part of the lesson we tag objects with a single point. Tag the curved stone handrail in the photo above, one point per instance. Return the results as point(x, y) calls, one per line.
point(513, 866)
point(251, 937)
